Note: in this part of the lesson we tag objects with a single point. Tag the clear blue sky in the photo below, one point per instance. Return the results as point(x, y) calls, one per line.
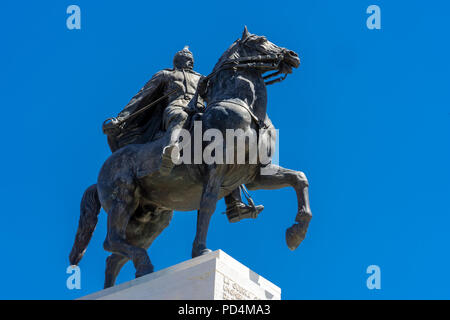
point(366, 117)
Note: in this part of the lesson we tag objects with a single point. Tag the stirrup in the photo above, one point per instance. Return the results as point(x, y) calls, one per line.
point(239, 211)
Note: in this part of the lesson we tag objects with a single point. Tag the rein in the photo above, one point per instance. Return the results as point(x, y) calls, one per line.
point(255, 62)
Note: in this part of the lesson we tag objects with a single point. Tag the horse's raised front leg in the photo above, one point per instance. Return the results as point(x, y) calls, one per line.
point(207, 207)
point(122, 208)
point(281, 178)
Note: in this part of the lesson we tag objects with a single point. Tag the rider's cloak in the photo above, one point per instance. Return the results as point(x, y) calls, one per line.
point(143, 127)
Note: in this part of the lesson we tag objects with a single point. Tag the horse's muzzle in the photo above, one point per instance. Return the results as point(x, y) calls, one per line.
point(291, 58)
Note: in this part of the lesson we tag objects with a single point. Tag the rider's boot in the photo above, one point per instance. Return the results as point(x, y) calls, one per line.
point(170, 156)
point(171, 153)
point(238, 210)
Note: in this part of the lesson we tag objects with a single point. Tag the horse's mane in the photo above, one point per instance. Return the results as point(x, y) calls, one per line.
point(232, 50)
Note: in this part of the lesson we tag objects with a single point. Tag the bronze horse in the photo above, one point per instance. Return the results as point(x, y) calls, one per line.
point(140, 201)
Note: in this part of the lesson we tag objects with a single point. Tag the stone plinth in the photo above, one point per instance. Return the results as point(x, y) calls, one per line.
point(215, 276)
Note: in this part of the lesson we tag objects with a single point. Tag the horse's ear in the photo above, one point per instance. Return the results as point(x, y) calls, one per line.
point(245, 34)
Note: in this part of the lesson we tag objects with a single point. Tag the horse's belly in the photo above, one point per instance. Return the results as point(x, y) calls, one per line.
point(174, 195)
point(182, 192)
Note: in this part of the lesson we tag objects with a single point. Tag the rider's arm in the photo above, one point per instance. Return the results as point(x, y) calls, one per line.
point(136, 102)
point(197, 103)
point(202, 86)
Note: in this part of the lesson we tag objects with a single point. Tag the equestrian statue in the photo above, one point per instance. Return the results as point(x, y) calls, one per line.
point(147, 176)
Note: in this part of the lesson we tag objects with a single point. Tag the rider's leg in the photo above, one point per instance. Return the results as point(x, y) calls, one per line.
point(238, 210)
point(174, 118)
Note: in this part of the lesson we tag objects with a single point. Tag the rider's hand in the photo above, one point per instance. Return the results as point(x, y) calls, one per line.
point(111, 126)
point(200, 108)
point(122, 116)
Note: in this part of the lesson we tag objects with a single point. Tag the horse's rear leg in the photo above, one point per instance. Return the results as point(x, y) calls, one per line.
point(118, 217)
point(114, 263)
point(207, 207)
point(142, 230)
point(281, 178)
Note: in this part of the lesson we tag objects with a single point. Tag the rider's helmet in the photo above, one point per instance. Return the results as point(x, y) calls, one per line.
point(183, 59)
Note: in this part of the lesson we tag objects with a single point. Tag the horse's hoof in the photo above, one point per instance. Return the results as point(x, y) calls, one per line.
point(200, 252)
point(142, 271)
point(205, 251)
point(295, 235)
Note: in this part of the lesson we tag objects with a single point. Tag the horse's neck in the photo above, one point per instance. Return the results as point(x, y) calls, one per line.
point(247, 86)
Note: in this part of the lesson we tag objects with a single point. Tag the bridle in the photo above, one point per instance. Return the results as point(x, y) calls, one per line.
point(278, 58)
point(263, 62)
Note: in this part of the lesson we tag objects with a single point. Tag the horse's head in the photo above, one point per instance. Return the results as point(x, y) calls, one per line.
point(266, 55)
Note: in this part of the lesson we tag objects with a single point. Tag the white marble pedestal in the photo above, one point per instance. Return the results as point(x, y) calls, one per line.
point(215, 276)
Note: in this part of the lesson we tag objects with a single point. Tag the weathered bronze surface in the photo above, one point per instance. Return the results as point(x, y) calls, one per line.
point(139, 186)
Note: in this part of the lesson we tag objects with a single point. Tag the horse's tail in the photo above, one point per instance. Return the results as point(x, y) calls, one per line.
point(89, 210)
